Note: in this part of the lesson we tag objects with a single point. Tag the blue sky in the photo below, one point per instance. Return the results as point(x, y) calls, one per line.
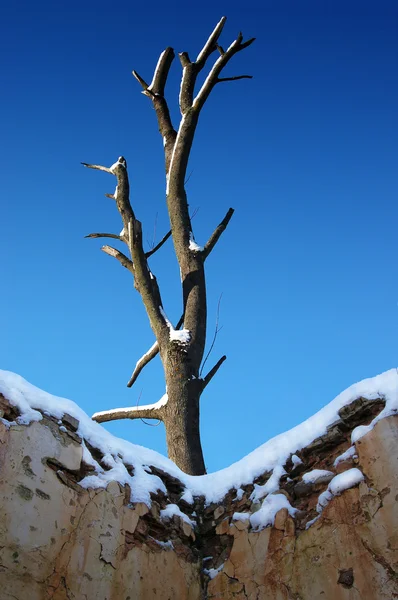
point(306, 153)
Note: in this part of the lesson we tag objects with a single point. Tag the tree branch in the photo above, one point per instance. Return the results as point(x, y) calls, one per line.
point(104, 235)
point(150, 411)
point(122, 258)
point(217, 233)
point(213, 371)
point(155, 91)
point(97, 167)
point(218, 66)
point(191, 70)
point(147, 357)
point(220, 79)
point(161, 72)
point(211, 44)
point(159, 245)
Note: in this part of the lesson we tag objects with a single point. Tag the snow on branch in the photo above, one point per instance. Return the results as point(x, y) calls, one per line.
point(211, 43)
point(98, 168)
point(213, 77)
point(150, 411)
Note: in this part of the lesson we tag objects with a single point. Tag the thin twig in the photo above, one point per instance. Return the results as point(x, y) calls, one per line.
point(159, 245)
point(143, 420)
point(219, 79)
point(215, 335)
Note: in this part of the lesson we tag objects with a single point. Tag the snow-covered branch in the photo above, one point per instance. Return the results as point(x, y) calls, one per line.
point(149, 411)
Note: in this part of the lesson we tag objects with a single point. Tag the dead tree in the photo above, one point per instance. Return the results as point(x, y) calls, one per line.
point(181, 350)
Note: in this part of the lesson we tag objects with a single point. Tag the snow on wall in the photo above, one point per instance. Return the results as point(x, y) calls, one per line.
point(270, 456)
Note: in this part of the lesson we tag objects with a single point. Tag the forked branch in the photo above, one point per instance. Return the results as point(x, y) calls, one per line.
point(144, 280)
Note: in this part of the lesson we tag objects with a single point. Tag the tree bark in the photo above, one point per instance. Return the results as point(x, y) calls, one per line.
point(181, 413)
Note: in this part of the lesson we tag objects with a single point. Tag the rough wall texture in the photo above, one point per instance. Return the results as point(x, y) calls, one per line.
point(62, 542)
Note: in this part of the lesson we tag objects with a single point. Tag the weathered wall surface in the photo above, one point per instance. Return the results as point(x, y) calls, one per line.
point(62, 542)
point(350, 553)
point(59, 541)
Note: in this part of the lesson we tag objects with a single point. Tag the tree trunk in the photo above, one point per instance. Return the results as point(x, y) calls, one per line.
point(181, 413)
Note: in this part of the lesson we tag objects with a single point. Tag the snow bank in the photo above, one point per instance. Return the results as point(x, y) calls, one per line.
point(271, 456)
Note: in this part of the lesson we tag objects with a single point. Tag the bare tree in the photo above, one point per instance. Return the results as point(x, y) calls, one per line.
point(181, 350)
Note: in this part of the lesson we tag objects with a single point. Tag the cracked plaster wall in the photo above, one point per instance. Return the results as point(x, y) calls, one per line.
point(350, 553)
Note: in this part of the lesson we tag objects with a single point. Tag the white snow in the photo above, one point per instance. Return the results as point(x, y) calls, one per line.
point(339, 484)
point(271, 456)
point(296, 460)
point(350, 453)
point(180, 133)
point(213, 572)
point(115, 165)
point(243, 516)
point(181, 336)
point(272, 485)
point(266, 515)
point(155, 74)
point(172, 509)
point(122, 411)
point(316, 476)
point(239, 495)
point(345, 480)
point(193, 245)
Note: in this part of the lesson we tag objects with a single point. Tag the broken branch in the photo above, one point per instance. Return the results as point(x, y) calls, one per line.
point(217, 233)
point(122, 258)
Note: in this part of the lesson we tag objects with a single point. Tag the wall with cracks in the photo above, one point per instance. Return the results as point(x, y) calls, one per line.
point(61, 541)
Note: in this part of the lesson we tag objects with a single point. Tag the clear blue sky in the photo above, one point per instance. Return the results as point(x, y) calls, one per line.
point(306, 153)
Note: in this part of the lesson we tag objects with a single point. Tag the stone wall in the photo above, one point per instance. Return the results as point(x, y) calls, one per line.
point(60, 541)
